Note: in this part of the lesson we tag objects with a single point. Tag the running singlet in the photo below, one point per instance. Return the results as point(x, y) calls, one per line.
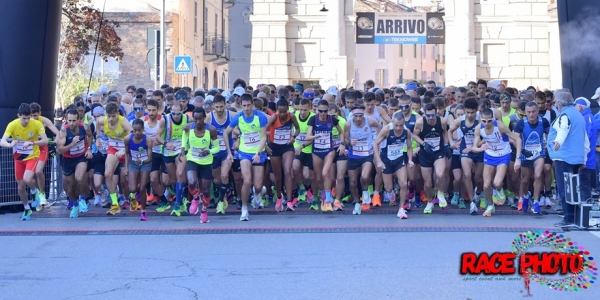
point(467, 133)
point(220, 130)
point(151, 132)
point(115, 137)
point(506, 119)
point(410, 125)
point(432, 135)
point(22, 134)
point(497, 142)
point(197, 145)
point(375, 116)
point(250, 129)
point(533, 138)
point(79, 149)
point(364, 141)
point(174, 134)
point(395, 144)
point(103, 142)
point(139, 151)
point(301, 138)
point(281, 133)
point(337, 139)
point(323, 144)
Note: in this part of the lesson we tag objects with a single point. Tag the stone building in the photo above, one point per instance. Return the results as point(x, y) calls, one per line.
point(197, 28)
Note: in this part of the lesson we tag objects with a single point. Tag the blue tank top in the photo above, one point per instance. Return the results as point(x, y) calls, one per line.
point(220, 130)
point(138, 150)
point(533, 139)
point(394, 144)
point(80, 148)
point(322, 144)
point(468, 134)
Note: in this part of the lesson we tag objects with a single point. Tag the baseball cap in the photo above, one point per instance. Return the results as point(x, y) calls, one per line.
point(209, 98)
point(332, 90)
point(597, 94)
point(582, 101)
point(316, 101)
point(103, 89)
point(239, 91)
point(411, 86)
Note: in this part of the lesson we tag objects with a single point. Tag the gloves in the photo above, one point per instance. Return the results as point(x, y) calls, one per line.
point(448, 152)
point(527, 153)
point(427, 148)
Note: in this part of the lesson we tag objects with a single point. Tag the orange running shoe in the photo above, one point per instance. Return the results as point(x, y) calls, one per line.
point(376, 200)
point(423, 197)
point(365, 207)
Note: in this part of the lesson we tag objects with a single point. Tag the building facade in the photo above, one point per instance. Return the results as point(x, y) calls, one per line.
point(197, 28)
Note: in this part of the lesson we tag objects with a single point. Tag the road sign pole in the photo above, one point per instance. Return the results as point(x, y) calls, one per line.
point(163, 44)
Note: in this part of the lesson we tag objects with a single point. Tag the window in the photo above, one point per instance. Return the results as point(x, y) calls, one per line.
point(195, 17)
point(415, 54)
point(382, 78)
point(401, 76)
point(415, 74)
point(205, 29)
point(423, 75)
point(216, 24)
point(381, 51)
point(401, 50)
point(423, 51)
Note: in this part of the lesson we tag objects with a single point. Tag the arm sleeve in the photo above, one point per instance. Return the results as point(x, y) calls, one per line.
point(185, 140)
point(214, 149)
point(562, 128)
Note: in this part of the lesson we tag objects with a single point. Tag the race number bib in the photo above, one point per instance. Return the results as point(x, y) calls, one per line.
point(252, 139)
point(301, 139)
point(175, 151)
point(336, 141)
point(361, 148)
point(221, 143)
point(282, 136)
point(139, 155)
point(197, 153)
point(536, 150)
point(434, 142)
point(78, 149)
point(22, 149)
point(116, 143)
point(469, 141)
point(323, 142)
point(395, 151)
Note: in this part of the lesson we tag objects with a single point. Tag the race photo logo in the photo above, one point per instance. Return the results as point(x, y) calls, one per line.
point(566, 267)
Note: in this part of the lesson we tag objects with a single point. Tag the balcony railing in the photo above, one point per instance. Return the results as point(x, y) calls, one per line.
point(218, 46)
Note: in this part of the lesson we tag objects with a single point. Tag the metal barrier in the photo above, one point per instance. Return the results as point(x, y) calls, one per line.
point(8, 185)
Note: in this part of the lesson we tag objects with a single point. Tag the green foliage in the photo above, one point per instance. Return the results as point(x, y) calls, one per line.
point(74, 82)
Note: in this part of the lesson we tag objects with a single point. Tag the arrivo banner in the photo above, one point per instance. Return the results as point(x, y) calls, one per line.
point(400, 28)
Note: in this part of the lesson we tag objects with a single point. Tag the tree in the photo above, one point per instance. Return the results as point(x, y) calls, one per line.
point(74, 82)
point(79, 32)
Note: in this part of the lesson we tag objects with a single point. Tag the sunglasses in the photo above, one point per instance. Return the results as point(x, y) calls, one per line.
point(323, 111)
point(486, 121)
point(139, 108)
point(431, 116)
point(404, 106)
point(176, 113)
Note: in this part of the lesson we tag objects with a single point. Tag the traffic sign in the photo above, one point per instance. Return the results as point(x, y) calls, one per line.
point(183, 64)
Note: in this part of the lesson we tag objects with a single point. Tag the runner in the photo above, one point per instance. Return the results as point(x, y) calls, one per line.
point(138, 148)
point(533, 131)
point(470, 162)
point(40, 178)
point(320, 133)
point(73, 143)
point(338, 170)
point(219, 119)
point(154, 128)
point(430, 131)
point(200, 145)
point(496, 157)
point(302, 167)
point(252, 125)
point(414, 174)
point(358, 136)
point(281, 151)
point(116, 129)
point(390, 159)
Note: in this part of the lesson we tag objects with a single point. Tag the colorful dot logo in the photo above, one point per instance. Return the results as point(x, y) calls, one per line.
point(578, 281)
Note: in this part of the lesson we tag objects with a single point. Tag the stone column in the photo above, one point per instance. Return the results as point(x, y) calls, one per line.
point(268, 59)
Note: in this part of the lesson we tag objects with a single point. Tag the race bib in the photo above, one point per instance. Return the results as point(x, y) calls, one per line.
point(361, 148)
point(536, 150)
point(221, 143)
point(177, 149)
point(22, 149)
point(434, 142)
point(469, 139)
point(282, 136)
point(323, 142)
point(78, 149)
point(301, 139)
point(139, 155)
point(336, 141)
point(116, 143)
point(395, 151)
point(251, 139)
point(197, 153)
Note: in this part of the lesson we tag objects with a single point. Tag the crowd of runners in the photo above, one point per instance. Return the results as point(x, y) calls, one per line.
point(187, 151)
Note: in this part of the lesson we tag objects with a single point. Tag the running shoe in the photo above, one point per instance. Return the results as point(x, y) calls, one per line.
point(290, 206)
point(309, 196)
point(97, 200)
point(461, 203)
point(407, 205)
point(26, 215)
point(220, 207)
point(264, 202)
point(295, 202)
point(482, 202)
point(370, 189)
point(402, 214)
point(429, 208)
point(244, 216)
point(393, 200)
point(501, 197)
point(525, 205)
point(176, 210)
point(43, 200)
point(327, 207)
point(194, 206)
point(184, 205)
point(314, 206)
point(83, 206)
point(279, 204)
point(365, 207)
point(418, 202)
point(442, 200)
point(126, 205)
point(302, 193)
point(473, 208)
point(423, 197)
point(204, 216)
point(357, 209)
point(135, 205)
point(346, 199)
point(163, 207)
point(143, 216)
point(489, 211)
point(512, 204)
point(454, 200)
point(535, 208)
point(74, 212)
point(257, 197)
point(69, 204)
point(114, 209)
point(376, 200)
point(366, 198)
point(337, 205)
point(409, 194)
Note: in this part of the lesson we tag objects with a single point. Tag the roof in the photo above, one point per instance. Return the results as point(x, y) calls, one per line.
point(380, 6)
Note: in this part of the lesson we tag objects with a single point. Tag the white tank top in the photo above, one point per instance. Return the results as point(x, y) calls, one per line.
point(152, 131)
point(498, 144)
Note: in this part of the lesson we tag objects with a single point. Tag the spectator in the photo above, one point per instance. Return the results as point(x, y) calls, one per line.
point(587, 176)
point(567, 134)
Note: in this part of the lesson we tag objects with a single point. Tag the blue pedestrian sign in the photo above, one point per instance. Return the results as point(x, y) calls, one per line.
point(183, 64)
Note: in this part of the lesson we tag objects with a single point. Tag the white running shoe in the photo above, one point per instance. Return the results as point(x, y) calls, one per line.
point(357, 209)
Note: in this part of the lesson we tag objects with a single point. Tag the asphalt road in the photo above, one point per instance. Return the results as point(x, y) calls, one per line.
point(299, 255)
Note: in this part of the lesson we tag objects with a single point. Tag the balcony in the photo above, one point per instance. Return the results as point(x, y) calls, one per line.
point(216, 49)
